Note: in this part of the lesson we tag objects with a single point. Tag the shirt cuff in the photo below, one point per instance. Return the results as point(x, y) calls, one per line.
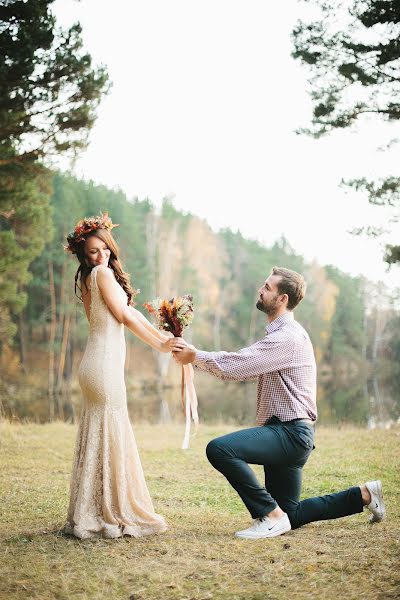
point(201, 357)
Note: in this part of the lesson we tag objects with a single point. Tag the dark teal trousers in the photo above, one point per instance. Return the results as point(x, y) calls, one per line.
point(283, 449)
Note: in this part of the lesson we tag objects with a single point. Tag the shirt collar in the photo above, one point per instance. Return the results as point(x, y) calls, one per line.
point(279, 322)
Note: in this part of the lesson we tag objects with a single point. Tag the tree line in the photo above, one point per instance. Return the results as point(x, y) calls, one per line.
point(168, 252)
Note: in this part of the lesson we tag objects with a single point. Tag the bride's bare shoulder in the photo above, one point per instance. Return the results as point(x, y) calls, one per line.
point(105, 277)
point(103, 270)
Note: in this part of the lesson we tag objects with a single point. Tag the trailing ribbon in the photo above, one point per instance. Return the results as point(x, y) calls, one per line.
point(190, 403)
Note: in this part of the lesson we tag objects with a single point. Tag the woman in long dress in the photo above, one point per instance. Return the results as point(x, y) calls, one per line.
point(109, 495)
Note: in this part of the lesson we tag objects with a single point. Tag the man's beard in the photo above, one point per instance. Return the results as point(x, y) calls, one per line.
point(269, 309)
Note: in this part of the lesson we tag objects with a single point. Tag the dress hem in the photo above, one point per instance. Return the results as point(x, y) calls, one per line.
point(114, 531)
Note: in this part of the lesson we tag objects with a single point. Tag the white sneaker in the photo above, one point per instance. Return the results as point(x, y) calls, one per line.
point(266, 528)
point(377, 505)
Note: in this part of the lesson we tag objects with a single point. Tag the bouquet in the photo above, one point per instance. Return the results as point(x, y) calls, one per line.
point(174, 316)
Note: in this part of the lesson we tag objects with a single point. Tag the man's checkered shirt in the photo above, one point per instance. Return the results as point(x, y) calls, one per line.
point(284, 363)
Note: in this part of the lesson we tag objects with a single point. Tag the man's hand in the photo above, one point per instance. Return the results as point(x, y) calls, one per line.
point(183, 352)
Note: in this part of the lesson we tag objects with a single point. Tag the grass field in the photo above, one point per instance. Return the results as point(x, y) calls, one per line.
point(198, 557)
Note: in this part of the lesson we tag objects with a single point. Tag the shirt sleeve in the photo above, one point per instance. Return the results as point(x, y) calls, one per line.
point(272, 353)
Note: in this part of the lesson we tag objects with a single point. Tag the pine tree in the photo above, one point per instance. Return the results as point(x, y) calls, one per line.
point(353, 53)
point(49, 92)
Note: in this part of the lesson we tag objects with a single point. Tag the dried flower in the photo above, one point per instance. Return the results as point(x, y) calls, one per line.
point(172, 315)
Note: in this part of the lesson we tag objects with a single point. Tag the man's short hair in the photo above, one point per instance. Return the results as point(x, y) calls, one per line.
point(292, 284)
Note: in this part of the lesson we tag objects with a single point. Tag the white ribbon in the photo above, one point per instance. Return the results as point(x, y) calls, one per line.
point(190, 403)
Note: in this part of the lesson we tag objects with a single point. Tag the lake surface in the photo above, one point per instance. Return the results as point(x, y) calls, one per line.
point(368, 403)
point(361, 403)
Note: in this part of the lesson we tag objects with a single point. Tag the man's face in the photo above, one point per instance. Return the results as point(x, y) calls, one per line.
point(268, 301)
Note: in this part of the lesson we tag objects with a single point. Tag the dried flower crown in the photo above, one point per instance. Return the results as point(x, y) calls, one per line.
point(85, 226)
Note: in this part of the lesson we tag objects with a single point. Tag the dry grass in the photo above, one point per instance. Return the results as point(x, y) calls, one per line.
point(198, 558)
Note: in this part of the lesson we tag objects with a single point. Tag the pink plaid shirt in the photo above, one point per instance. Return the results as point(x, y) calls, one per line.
point(284, 363)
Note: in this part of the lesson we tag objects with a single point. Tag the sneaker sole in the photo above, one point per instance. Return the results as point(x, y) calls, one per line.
point(260, 537)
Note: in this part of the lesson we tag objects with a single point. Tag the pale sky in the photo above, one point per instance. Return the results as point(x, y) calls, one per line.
point(204, 106)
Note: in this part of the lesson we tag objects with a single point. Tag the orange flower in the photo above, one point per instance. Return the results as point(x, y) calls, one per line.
point(85, 226)
point(172, 315)
point(149, 307)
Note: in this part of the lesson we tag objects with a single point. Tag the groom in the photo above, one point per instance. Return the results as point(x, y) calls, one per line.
point(284, 363)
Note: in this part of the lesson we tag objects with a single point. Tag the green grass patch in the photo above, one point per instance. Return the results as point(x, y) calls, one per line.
point(198, 557)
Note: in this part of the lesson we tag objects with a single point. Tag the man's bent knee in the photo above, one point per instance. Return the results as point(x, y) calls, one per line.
point(214, 450)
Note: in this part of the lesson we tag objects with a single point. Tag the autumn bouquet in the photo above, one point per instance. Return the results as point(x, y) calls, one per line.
point(174, 316)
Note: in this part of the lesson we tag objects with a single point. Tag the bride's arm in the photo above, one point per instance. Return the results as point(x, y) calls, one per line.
point(131, 321)
point(161, 336)
point(108, 287)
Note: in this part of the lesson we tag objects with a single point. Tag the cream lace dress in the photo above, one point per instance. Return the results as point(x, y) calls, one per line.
point(109, 495)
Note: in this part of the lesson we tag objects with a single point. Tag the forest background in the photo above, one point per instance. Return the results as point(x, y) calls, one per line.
point(354, 324)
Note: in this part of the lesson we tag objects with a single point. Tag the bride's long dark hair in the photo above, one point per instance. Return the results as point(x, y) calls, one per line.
point(114, 263)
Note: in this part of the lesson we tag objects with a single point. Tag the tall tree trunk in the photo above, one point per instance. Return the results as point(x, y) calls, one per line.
point(252, 326)
point(69, 411)
point(61, 363)
point(365, 328)
point(63, 287)
point(217, 319)
point(378, 401)
point(163, 287)
point(63, 348)
point(164, 276)
point(377, 335)
point(65, 321)
point(52, 337)
point(151, 246)
point(161, 360)
point(165, 415)
point(61, 331)
point(22, 343)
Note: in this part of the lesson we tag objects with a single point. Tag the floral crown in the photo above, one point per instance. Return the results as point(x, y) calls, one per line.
point(85, 226)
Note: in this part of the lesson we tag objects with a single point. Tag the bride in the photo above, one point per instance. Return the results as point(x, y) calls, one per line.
point(109, 495)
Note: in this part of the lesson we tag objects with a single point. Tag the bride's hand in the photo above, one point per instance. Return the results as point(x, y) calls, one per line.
point(173, 344)
point(179, 345)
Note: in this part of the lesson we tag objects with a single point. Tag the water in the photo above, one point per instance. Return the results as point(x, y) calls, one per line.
point(368, 403)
